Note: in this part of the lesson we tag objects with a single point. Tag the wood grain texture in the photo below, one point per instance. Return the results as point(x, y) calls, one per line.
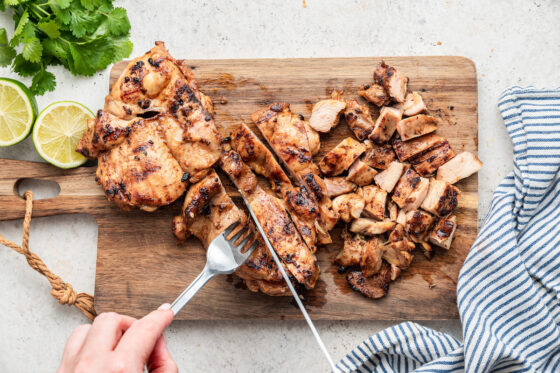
point(139, 264)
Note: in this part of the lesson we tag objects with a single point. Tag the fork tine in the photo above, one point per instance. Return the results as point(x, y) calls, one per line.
point(229, 230)
point(244, 242)
point(242, 237)
point(234, 236)
point(250, 250)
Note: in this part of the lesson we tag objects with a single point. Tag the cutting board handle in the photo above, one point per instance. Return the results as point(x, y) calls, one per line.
point(78, 191)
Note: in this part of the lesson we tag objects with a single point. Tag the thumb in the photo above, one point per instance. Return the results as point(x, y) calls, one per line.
point(160, 361)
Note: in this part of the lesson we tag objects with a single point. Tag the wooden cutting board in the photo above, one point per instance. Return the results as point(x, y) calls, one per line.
point(139, 264)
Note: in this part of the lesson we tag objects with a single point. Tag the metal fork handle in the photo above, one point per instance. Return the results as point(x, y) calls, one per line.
point(190, 291)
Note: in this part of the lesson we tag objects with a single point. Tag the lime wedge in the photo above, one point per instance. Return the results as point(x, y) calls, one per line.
point(58, 129)
point(18, 110)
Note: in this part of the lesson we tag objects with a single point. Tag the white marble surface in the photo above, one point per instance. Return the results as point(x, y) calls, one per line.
point(511, 42)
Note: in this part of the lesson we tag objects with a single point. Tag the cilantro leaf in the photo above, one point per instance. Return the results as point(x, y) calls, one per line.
point(63, 4)
point(33, 50)
point(21, 23)
point(51, 28)
point(23, 67)
point(87, 58)
point(117, 22)
point(82, 22)
point(42, 82)
point(123, 48)
point(7, 53)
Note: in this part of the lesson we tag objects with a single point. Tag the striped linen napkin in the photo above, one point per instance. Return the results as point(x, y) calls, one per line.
point(508, 293)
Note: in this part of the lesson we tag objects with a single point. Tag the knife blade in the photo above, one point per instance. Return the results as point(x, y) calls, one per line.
point(290, 286)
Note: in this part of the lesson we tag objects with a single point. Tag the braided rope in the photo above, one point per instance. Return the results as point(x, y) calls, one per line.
point(61, 290)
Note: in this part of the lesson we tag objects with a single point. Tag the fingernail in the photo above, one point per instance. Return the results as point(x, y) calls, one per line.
point(164, 307)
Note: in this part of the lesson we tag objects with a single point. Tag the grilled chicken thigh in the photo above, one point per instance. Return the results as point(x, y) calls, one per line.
point(375, 94)
point(417, 126)
point(287, 135)
point(442, 234)
point(428, 162)
point(360, 173)
point(348, 206)
point(275, 221)
point(325, 114)
point(388, 178)
point(146, 163)
point(442, 198)
point(410, 191)
point(413, 104)
point(338, 185)
point(341, 157)
point(359, 119)
point(299, 203)
point(412, 148)
point(207, 212)
point(375, 200)
point(371, 227)
point(371, 287)
point(385, 124)
point(378, 156)
point(392, 80)
point(418, 224)
point(140, 171)
point(460, 167)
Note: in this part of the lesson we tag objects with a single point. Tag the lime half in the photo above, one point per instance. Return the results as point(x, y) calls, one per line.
point(18, 110)
point(58, 129)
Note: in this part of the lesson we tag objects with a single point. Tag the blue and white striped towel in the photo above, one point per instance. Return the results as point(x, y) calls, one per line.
point(508, 293)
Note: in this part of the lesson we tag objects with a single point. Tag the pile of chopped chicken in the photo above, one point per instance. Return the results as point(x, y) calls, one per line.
point(392, 186)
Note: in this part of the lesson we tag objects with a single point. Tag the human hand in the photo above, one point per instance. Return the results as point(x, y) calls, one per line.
point(118, 343)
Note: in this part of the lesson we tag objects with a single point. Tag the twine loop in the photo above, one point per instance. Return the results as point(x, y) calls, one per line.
point(61, 291)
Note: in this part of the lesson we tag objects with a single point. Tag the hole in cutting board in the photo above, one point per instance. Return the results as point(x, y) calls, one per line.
point(42, 189)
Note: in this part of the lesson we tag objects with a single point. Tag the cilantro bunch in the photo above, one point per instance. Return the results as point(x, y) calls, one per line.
point(82, 35)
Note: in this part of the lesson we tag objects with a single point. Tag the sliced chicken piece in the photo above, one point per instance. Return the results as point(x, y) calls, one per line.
point(373, 287)
point(428, 162)
point(325, 114)
point(418, 224)
point(371, 259)
point(276, 222)
point(375, 200)
point(442, 234)
point(393, 210)
point(338, 185)
point(348, 206)
point(417, 126)
point(287, 135)
point(460, 167)
point(409, 149)
point(410, 190)
point(395, 272)
point(272, 288)
point(397, 234)
point(413, 104)
point(388, 179)
point(386, 124)
point(427, 250)
point(351, 253)
point(371, 227)
point(341, 157)
point(360, 173)
point(442, 198)
point(312, 137)
point(375, 94)
point(401, 217)
point(378, 156)
point(359, 119)
point(392, 80)
point(300, 204)
point(393, 256)
point(207, 212)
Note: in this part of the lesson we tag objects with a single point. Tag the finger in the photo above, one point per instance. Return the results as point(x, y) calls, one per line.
point(140, 339)
point(75, 343)
point(106, 331)
point(160, 360)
